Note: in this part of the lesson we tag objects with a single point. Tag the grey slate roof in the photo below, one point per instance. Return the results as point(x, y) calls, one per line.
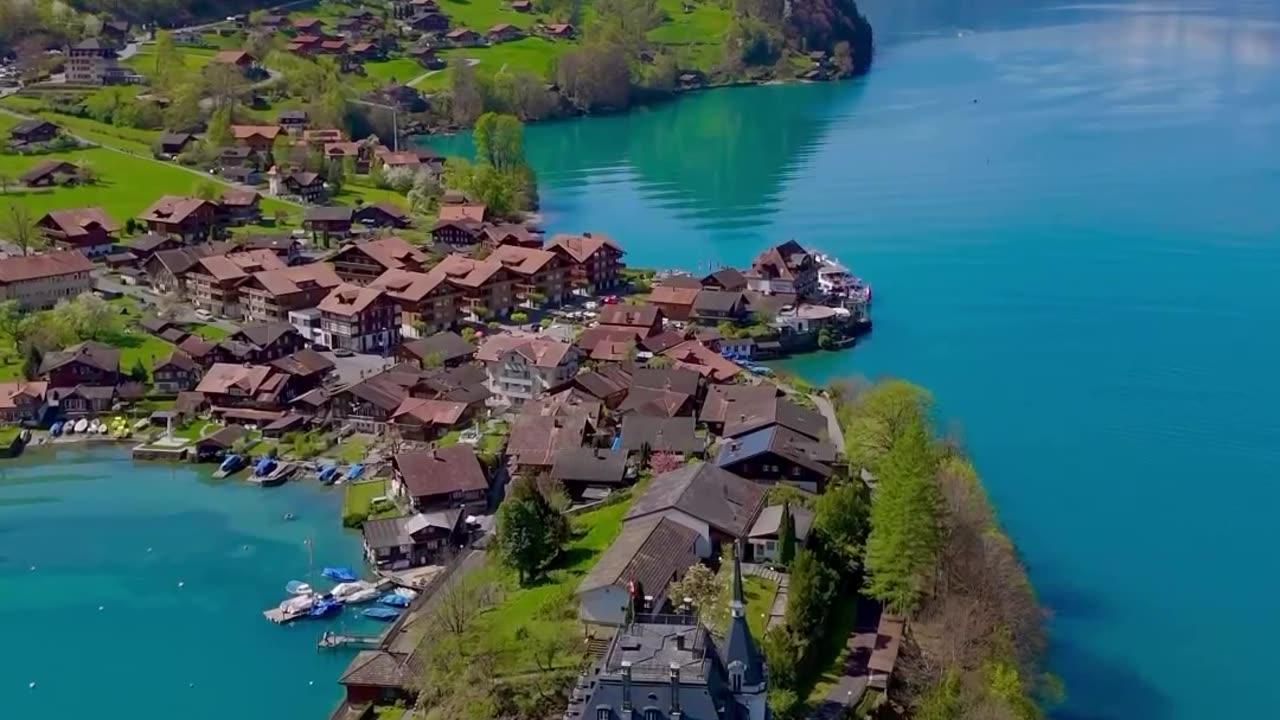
point(590, 465)
point(748, 417)
point(661, 434)
point(719, 498)
point(448, 345)
point(783, 442)
point(679, 380)
point(770, 522)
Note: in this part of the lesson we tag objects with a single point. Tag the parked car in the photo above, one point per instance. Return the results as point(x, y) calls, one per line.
point(343, 352)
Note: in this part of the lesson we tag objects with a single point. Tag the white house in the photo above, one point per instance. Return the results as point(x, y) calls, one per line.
point(522, 368)
point(648, 555)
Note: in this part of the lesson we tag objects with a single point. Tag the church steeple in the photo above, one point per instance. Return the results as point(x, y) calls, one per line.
point(737, 606)
point(742, 657)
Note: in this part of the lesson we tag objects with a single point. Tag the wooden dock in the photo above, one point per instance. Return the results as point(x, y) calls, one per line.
point(280, 617)
point(336, 640)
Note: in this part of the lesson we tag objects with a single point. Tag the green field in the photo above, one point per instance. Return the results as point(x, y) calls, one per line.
point(483, 14)
point(402, 70)
point(193, 58)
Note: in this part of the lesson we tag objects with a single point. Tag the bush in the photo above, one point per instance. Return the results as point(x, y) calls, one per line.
point(519, 317)
point(354, 518)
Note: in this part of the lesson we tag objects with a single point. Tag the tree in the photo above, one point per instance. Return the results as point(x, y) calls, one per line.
point(466, 92)
point(840, 523)
point(701, 586)
point(875, 419)
point(218, 134)
point(19, 225)
point(206, 190)
point(280, 149)
point(11, 317)
point(530, 532)
point(787, 536)
point(625, 23)
point(31, 361)
point(595, 77)
point(224, 84)
point(432, 360)
point(812, 593)
point(138, 373)
point(499, 141)
point(183, 112)
point(168, 60)
point(86, 317)
point(905, 533)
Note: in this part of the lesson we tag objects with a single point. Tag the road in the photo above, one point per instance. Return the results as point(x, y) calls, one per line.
point(833, 421)
point(852, 683)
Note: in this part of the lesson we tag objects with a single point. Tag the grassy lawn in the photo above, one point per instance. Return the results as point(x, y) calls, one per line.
point(193, 59)
point(360, 496)
point(7, 434)
point(548, 608)
point(534, 54)
point(138, 345)
point(208, 332)
point(195, 429)
point(402, 70)
point(758, 594)
point(831, 646)
point(481, 15)
point(351, 450)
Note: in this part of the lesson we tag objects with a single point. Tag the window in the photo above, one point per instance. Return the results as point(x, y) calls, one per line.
point(652, 714)
point(602, 713)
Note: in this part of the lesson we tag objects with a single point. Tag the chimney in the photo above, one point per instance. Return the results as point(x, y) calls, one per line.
point(675, 687)
point(626, 685)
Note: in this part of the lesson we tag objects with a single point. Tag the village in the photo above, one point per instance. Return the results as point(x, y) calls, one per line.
point(428, 377)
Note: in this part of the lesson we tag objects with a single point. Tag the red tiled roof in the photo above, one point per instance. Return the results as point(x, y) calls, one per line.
point(349, 300)
point(33, 267)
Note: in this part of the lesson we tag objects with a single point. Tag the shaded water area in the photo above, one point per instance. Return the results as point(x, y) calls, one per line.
point(1068, 212)
point(136, 590)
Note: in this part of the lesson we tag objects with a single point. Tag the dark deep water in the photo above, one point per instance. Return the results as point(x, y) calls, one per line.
point(1069, 213)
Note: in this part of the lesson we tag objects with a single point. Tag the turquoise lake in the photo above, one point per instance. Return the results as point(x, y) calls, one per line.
point(92, 550)
point(1069, 213)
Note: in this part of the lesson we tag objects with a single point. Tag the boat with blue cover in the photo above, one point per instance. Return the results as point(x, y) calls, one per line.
point(328, 474)
point(354, 472)
point(324, 607)
point(381, 613)
point(394, 600)
point(230, 464)
point(340, 574)
point(55, 429)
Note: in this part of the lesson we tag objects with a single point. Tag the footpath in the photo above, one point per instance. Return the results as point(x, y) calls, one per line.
point(852, 683)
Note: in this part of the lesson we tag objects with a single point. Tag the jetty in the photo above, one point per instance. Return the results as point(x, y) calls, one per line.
point(332, 639)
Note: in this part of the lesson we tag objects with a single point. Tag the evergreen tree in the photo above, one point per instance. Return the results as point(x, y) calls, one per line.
point(218, 134)
point(840, 523)
point(31, 362)
point(138, 372)
point(787, 536)
point(905, 514)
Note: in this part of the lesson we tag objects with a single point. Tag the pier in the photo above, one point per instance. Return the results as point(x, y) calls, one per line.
point(336, 640)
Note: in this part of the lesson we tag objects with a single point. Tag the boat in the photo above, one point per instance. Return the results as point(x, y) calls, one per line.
point(381, 613)
point(297, 587)
point(354, 472)
point(103, 429)
point(327, 474)
point(82, 425)
point(394, 600)
point(142, 424)
point(406, 593)
point(362, 596)
point(278, 476)
point(325, 606)
point(298, 604)
point(55, 429)
point(340, 574)
point(264, 466)
point(230, 464)
point(342, 591)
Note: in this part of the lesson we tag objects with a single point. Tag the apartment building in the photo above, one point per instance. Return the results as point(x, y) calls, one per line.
point(520, 369)
point(40, 281)
point(272, 294)
point(363, 319)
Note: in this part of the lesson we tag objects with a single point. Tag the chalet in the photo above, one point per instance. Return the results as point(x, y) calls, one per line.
point(81, 400)
point(305, 44)
point(22, 400)
point(456, 207)
point(191, 219)
point(426, 55)
point(778, 454)
point(87, 363)
point(366, 51)
point(504, 32)
point(582, 469)
point(488, 287)
point(239, 156)
point(765, 535)
point(333, 47)
point(446, 349)
point(274, 22)
point(168, 269)
point(648, 555)
point(536, 441)
point(219, 443)
point(292, 120)
point(730, 279)
point(607, 383)
point(786, 269)
point(360, 263)
point(309, 25)
point(426, 419)
point(456, 233)
point(286, 247)
point(117, 30)
point(695, 355)
point(266, 341)
point(215, 281)
point(410, 541)
point(645, 319)
point(307, 368)
point(48, 173)
point(428, 22)
point(676, 303)
point(676, 435)
point(240, 207)
point(562, 31)
point(721, 506)
point(382, 214)
point(308, 186)
point(317, 137)
point(448, 477)
point(32, 131)
point(238, 59)
point(463, 37)
point(328, 222)
point(88, 230)
point(713, 306)
point(363, 319)
point(172, 144)
point(428, 302)
point(522, 6)
point(594, 261)
point(175, 373)
point(269, 296)
point(258, 137)
point(510, 234)
point(392, 160)
point(252, 393)
point(739, 402)
point(520, 369)
point(756, 411)
point(540, 274)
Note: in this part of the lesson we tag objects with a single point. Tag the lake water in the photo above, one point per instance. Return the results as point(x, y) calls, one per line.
point(1069, 214)
point(92, 550)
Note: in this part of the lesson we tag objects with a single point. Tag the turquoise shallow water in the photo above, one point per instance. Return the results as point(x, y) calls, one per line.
point(1069, 214)
point(102, 531)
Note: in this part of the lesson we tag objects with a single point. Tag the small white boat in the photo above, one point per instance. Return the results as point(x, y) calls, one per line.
point(297, 587)
point(25, 436)
point(82, 425)
point(406, 593)
point(362, 596)
point(342, 591)
point(93, 425)
point(297, 604)
point(103, 429)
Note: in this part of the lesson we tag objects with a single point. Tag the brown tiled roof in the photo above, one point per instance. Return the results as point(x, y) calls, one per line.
point(334, 213)
point(651, 552)
point(441, 471)
point(349, 300)
point(662, 341)
point(46, 167)
point(592, 465)
point(592, 337)
point(11, 391)
point(613, 350)
point(289, 280)
point(661, 434)
point(472, 212)
point(303, 363)
point(196, 346)
point(177, 359)
point(172, 209)
point(244, 132)
point(656, 403)
point(674, 295)
point(744, 417)
point(407, 285)
point(264, 334)
point(223, 376)
point(522, 260)
point(636, 316)
point(695, 356)
point(33, 267)
point(430, 412)
point(391, 253)
point(520, 233)
point(582, 247)
point(239, 198)
point(535, 439)
point(725, 401)
point(447, 345)
point(232, 57)
point(379, 668)
point(466, 272)
point(94, 354)
point(542, 352)
point(76, 222)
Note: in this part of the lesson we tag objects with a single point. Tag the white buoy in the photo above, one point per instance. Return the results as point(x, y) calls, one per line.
point(148, 549)
point(311, 682)
point(33, 568)
point(31, 686)
point(101, 608)
point(180, 583)
point(191, 685)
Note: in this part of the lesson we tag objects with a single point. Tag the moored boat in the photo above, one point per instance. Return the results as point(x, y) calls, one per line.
point(25, 436)
point(381, 613)
point(81, 425)
point(55, 429)
point(230, 464)
point(327, 474)
point(325, 606)
point(362, 596)
point(394, 600)
point(340, 574)
point(354, 472)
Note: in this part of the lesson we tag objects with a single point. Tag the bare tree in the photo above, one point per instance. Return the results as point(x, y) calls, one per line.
point(461, 600)
point(19, 225)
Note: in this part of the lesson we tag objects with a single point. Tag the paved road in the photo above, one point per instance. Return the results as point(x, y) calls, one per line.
point(833, 422)
point(852, 683)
